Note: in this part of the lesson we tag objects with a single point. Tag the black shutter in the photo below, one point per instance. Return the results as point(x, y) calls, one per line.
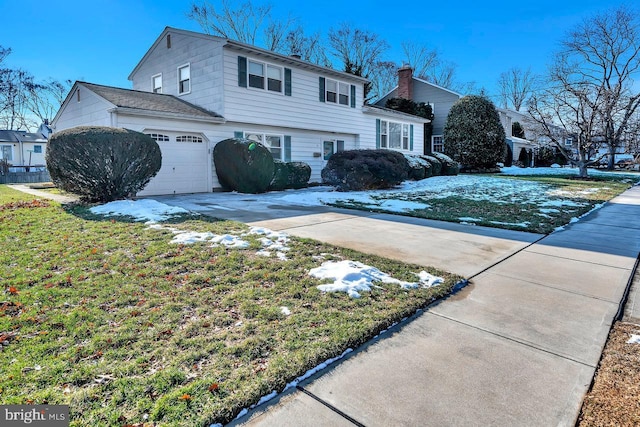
point(287, 81)
point(321, 94)
point(242, 71)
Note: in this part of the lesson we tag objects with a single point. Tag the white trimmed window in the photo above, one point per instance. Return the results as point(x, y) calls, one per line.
point(156, 83)
point(437, 143)
point(6, 152)
point(272, 142)
point(37, 149)
point(158, 137)
point(384, 136)
point(265, 76)
point(188, 138)
point(337, 92)
point(184, 79)
point(405, 136)
point(568, 142)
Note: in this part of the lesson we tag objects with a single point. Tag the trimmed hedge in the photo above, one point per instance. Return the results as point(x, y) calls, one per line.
point(102, 164)
point(243, 165)
point(365, 170)
point(290, 175)
point(436, 165)
point(419, 167)
point(449, 166)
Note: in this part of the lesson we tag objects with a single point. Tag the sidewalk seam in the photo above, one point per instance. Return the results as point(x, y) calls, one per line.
point(330, 406)
point(514, 340)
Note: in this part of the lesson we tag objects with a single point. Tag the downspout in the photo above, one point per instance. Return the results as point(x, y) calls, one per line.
point(17, 135)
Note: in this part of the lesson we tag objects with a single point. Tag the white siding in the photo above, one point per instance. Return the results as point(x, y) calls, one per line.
point(204, 54)
point(301, 110)
point(91, 110)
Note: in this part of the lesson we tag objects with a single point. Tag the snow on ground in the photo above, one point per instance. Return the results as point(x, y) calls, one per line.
point(141, 210)
point(352, 277)
point(635, 339)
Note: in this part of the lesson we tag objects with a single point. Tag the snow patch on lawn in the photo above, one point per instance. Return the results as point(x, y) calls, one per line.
point(353, 277)
point(141, 210)
point(635, 339)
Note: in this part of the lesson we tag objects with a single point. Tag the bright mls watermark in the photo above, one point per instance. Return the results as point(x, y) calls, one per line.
point(34, 415)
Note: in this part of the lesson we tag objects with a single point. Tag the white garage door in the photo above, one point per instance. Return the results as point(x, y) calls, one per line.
point(185, 165)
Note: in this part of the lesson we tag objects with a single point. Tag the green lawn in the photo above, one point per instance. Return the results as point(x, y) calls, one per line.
point(109, 317)
point(537, 204)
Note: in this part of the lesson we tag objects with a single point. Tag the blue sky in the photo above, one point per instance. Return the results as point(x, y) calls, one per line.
point(101, 41)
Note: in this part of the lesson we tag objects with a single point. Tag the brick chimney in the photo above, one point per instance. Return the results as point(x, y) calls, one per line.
point(405, 85)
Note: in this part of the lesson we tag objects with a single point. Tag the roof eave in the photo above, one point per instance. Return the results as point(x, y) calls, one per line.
point(168, 115)
point(369, 109)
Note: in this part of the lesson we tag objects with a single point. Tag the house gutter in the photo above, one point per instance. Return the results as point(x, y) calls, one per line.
point(163, 114)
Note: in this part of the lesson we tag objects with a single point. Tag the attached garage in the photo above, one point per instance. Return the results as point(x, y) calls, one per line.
point(186, 163)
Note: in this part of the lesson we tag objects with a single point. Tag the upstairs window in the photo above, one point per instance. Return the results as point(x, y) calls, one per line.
point(156, 83)
point(256, 75)
point(337, 92)
point(37, 149)
point(265, 76)
point(184, 79)
point(568, 142)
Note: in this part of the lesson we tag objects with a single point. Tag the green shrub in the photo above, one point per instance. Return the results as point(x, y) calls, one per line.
point(243, 165)
point(473, 134)
point(449, 166)
point(508, 157)
point(290, 175)
point(436, 165)
point(365, 169)
point(419, 168)
point(523, 158)
point(102, 164)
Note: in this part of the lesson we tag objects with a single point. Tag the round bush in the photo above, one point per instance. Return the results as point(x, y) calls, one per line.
point(102, 164)
point(473, 134)
point(365, 169)
point(280, 176)
point(449, 166)
point(436, 165)
point(243, 165)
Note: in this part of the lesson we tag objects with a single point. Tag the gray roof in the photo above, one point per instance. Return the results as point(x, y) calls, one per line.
point(20, 135)
point(149, 101)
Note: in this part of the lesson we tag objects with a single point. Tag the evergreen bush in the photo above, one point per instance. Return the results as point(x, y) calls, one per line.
point(436, 165)
point(102, 164)
point(365, 169)
point(243, 165)
point(473, 134)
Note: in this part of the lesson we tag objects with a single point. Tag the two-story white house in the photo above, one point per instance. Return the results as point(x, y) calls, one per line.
point(192, 90)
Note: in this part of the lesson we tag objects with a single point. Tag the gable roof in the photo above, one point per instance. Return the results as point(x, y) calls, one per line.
point(243, 47)
point(21, 136)
point(149, 101)
point(383, 111)
point(146, 103)
point(423, 81)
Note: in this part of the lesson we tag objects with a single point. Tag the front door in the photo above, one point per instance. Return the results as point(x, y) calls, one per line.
point(328, 148)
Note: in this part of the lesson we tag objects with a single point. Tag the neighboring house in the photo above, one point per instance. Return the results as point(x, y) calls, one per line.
point(192, 90)
point(507, 119)
point(21, 148)
point(419, 90)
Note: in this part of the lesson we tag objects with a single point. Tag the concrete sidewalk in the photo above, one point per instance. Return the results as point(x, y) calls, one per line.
point(517, 347)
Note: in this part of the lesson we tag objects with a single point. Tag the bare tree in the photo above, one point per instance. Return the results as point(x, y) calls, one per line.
point(359, 51)
point(245, 22)
point(15, 86)
point(44, 99)
point(604, 53)
point(568, 108)
point(515, 87)
point(308, 48)
point(420, 57)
